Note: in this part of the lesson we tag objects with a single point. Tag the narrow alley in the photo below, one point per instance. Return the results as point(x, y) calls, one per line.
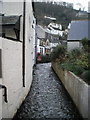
point(47, 99)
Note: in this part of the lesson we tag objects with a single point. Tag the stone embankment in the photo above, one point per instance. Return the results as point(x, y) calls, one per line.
point(77, 89)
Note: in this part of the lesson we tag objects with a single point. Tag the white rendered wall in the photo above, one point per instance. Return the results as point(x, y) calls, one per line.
point(1, 84)
point(72, 45)
point(28, 45)
point(12, 76)
point(34, 40)
point(12, 62)
point(12, 7)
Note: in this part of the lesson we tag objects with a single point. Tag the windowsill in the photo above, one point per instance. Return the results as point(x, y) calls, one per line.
point(13, 39)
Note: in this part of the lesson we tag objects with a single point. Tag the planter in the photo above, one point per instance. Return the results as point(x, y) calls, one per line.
point(77, 88)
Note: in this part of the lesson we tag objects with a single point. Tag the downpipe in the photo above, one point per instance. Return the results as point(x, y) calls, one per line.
point(5, 92)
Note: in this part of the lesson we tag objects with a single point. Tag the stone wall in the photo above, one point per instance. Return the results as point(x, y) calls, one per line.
point(76, 87)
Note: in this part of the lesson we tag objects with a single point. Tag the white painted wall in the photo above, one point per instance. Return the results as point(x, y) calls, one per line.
point(38, 47)
point(12, 61)
point(73, 45)
point(12, 7)
point(0, 104)
point(34, 40)
point(12, 76)
point(0, 83)
point(28, 45)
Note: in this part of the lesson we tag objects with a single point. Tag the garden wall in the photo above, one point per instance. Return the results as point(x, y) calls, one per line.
point(77, 88)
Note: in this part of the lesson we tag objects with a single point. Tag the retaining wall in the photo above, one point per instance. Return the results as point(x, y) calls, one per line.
point(77, 88)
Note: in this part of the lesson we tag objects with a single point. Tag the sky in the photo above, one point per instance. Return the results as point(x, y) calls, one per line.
point(84, 3)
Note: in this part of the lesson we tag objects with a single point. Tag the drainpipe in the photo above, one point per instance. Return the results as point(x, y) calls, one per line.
point(5, 92)
point(23, 45)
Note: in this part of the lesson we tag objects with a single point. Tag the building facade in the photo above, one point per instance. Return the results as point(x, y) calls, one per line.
point(16, 55)
point(79, 29)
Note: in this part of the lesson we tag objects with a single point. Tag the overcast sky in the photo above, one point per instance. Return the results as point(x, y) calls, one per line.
point(83, 2)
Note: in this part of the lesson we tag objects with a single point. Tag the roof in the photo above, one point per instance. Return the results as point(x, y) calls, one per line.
point(9, 20)
point(79, 29)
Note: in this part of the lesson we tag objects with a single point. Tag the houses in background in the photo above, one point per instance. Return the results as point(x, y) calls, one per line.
point(43, 44)
point(82, 14)
point(40, 40)
point(79, 29)
point(56, 34)
point(48, 38)
point(17, 54)
point(55, 29)
point(52, 35)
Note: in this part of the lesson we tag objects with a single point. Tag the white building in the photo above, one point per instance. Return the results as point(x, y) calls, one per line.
point(55, 29)
point(40, 47)
point(40, 40)
point(16, 56)
point(47, 40)
point(34, 36)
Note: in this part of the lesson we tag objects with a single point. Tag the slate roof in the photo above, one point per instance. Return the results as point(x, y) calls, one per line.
point(79, 29)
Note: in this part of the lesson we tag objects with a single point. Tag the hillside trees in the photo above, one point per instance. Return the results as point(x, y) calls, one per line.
point(63, 14)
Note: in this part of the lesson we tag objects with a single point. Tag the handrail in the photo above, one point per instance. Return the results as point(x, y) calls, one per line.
point(5, 92)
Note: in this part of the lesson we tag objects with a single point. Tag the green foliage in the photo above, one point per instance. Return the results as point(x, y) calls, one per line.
point(86, 75)
point(84, 42)
point(75, 53)
point(58, 53)
point(83, 61)
point(89, 60)
point(63, 14)
point(77, 63)
point(46, 58)
point(73, 68)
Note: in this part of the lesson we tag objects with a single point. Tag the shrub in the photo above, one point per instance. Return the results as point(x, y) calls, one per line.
point(72, 67)
point(89, 60)
point(86, 75)
point(58, 53)
point(46, 58)
point(84, 42)
point(83, 61)
point(75, 53)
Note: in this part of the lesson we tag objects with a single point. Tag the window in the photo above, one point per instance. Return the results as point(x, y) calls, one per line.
point(41, 50)
point(10, 26)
